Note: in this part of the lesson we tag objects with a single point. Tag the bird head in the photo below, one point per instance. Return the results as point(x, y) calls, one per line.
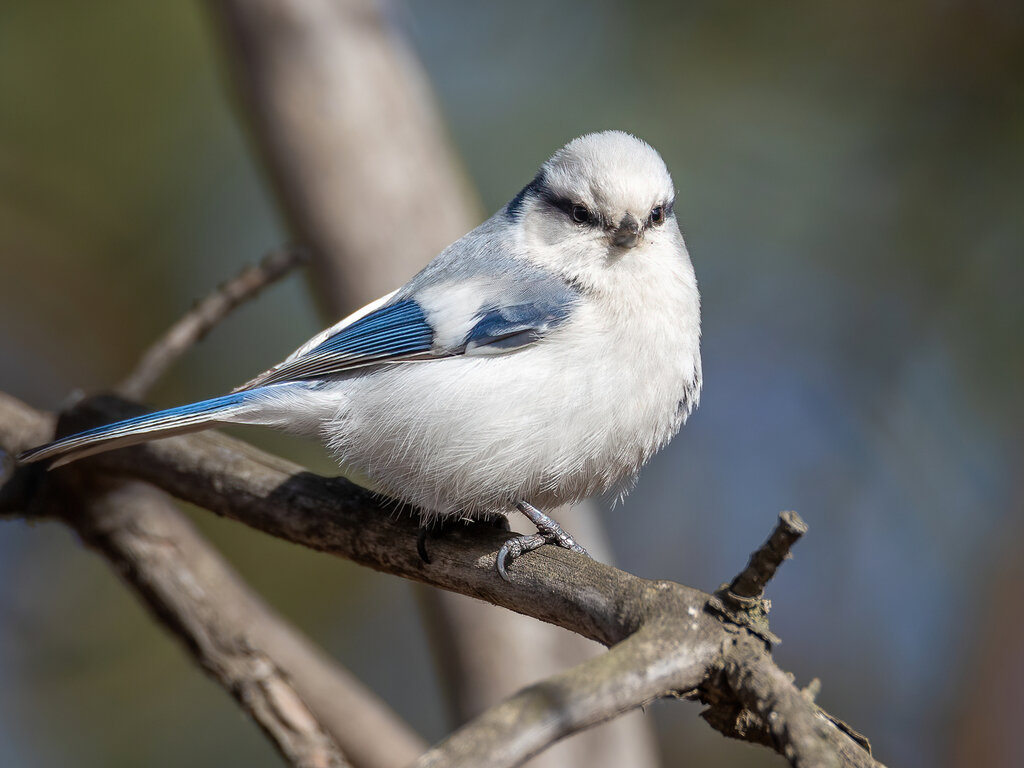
point(596, 200)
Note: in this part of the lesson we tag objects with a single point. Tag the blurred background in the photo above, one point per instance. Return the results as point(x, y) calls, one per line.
point(850, 186)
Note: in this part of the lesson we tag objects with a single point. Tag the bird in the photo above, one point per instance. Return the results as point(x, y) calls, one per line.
point(539, 360)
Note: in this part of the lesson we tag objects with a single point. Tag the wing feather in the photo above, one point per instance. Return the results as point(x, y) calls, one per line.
point(396, 331)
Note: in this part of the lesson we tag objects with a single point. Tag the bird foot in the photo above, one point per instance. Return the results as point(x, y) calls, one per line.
point(548, 532)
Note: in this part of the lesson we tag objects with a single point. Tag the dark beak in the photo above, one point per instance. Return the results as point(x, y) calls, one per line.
point(627, 234)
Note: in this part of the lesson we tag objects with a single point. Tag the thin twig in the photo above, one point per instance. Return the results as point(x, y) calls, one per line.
point(206, 313)
point(750, 582)
point(741, 601)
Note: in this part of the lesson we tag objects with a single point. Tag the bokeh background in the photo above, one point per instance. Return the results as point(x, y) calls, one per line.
point(851, 186)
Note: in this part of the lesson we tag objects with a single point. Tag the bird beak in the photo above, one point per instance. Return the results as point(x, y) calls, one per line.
point(627, 234)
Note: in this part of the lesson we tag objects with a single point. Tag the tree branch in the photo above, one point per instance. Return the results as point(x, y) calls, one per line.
point(206, 313)
point(749, 584)
point(741, 601)
point(487, 654)
point(233, 634)
point(653, 662)
point(556, 586)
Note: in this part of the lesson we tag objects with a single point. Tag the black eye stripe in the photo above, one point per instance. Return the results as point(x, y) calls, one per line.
point(569, 207)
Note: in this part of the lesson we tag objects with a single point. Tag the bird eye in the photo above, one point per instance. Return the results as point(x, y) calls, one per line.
point(580, 214)
point(658, 214)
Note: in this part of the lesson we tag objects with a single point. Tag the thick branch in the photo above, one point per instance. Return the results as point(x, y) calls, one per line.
point(553, 585)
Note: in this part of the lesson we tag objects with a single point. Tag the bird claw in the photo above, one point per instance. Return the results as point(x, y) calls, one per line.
point(519, 545)
point(548, 532)
point(421, 544)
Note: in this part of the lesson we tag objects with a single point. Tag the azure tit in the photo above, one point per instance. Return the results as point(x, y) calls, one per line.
point(540, 359)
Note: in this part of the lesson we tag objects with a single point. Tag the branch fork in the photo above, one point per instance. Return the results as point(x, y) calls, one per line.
point(741, 601)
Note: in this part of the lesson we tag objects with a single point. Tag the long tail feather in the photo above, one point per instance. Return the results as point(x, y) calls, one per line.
point(174, 421)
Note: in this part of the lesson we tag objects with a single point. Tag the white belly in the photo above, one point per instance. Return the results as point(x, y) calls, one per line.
point(550, 424)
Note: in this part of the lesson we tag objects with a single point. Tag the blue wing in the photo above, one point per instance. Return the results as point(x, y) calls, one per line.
point(504, 328)
point(394, 332)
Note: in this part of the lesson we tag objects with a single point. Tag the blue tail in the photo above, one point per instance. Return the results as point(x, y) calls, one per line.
point(174, 421)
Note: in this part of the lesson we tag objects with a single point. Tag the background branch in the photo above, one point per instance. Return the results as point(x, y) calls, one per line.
point(206, 313)
point(286, 683)
point(189, 591)
point(345, 122)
